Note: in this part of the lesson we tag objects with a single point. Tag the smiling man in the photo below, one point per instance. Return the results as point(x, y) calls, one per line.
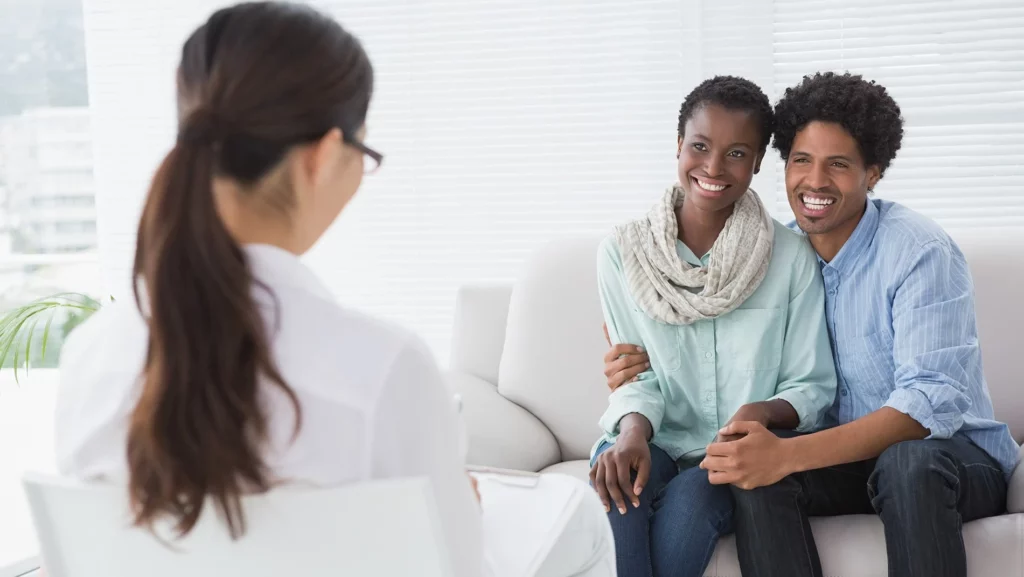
point(911, 436)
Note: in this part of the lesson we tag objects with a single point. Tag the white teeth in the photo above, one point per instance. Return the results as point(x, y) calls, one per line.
point(709, 186)
point(817, 202)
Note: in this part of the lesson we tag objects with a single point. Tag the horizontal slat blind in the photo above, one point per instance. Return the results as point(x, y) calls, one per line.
point(957, 71)
point(734, 37)
point(505, 124)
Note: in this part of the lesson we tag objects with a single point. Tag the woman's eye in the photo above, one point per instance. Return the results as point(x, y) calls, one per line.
point(737, 154)
point(699, 146)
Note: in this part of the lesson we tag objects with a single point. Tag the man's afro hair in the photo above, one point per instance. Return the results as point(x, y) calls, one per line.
point(860, 106)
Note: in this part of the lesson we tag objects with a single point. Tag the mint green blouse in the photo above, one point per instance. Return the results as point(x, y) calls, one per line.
point(774, 346)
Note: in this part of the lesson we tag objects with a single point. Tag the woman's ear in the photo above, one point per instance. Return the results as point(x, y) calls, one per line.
point(324, 155)
point(757, 162)
point(679, 146)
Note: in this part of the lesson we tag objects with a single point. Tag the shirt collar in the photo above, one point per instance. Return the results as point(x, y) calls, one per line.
point(274, 266)
point(861, 238)
point(689, 256)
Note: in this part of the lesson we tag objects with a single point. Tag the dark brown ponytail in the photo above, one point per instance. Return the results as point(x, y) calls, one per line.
point(287, 75)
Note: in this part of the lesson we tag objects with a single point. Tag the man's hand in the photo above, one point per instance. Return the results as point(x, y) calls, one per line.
point(758, 459)
point(623, 363)
point(752, 412)
point(611, 473)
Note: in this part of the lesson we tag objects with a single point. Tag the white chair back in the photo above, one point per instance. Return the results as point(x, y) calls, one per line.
point(385, 528)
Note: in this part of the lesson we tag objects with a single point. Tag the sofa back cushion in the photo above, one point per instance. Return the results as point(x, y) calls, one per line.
point(997, 268)
point(552, 361)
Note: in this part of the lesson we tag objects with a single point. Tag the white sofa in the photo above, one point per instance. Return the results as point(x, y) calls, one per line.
point(527, 360)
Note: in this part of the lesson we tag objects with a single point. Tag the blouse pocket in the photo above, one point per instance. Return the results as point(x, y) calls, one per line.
point(751, 339)
point(663, 345)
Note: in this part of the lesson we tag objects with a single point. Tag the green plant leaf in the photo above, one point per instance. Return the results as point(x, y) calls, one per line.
point(17, 349)
point(20, 336)
point(18, 325)
point(28, 340)
point(46, 335)
point(9, 333)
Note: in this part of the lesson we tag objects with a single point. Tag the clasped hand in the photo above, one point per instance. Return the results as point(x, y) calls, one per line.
point(753, 460)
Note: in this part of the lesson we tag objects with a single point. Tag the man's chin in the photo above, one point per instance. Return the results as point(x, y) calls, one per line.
point(813, 226)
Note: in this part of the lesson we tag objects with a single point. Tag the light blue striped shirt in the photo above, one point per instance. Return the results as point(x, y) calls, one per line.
point(899, 305)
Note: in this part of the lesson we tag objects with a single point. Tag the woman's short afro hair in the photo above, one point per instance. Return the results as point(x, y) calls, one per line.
point(731, 93)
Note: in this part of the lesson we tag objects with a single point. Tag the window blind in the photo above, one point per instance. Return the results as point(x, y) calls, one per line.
point(504, 125)
point(507, 124)
point(957, 71)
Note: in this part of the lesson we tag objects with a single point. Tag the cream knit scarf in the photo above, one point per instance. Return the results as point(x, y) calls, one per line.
point(659, 279)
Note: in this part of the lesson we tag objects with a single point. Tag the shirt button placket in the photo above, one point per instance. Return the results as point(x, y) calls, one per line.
point(709, 376)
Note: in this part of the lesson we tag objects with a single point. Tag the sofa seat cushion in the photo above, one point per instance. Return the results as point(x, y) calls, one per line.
point(854, 545)
point(579, 469)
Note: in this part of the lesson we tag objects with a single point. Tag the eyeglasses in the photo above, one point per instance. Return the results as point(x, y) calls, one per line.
point(373, 158)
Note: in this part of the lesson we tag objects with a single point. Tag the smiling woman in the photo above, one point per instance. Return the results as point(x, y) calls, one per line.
point(724, 131)
point(729, 305)
point(719, 153)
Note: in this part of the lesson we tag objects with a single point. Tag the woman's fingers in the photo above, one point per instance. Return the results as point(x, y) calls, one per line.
point(625, 485)
point(611, 482)
point(597, 478)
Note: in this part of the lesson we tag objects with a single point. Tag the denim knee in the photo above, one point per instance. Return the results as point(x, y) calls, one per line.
point(747, 498)
point(912, 466)
point(691, 491)
point(689, 518)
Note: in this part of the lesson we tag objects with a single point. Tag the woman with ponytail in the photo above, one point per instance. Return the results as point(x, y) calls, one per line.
point(235, 370)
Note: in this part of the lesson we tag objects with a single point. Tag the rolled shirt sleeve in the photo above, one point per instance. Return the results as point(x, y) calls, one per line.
point(934, 340)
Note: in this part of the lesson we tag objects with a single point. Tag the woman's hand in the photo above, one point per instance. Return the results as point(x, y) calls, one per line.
point(610, 475)
point(623, 363)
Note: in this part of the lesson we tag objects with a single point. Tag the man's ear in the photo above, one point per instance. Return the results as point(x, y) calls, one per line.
point(874, 175)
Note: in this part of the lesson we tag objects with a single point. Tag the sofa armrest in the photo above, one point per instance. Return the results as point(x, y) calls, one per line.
point(501, 433)
point(478, 336)
point(1015, 490)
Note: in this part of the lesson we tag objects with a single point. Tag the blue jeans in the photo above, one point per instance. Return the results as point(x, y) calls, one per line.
point(674, 531)
point(924, 491)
